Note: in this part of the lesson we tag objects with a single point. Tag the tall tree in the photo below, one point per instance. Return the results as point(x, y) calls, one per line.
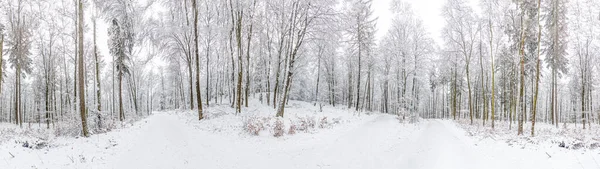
point(237, 16)
point(19, 42)
point(555, 48)
point(117, 48)
point(249, 41)
point(196, 52)
point(302, 20)
point(460, 34)
point(361, 33)
point(97, 67)
point(82, 108)
point(121, 40)
point(1, 58)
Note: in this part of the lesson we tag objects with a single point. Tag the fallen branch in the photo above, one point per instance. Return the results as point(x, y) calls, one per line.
point(548, 155)
point(13, 156)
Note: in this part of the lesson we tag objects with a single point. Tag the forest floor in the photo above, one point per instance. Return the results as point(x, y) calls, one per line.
point(178, 140)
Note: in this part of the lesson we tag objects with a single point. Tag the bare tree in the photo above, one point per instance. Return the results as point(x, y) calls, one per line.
point(82, 108)
point(461, 35)
point(198, 93)
point(1, 59)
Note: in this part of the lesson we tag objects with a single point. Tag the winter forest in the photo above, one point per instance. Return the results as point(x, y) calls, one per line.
point(299, 84)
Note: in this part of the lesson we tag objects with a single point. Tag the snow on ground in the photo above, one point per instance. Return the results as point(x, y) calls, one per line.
point(177, 139)
point(542, 151)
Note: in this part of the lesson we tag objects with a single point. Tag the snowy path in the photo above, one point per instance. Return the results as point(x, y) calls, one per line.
point(166, 140)
point(382, 142)
point(438, 147)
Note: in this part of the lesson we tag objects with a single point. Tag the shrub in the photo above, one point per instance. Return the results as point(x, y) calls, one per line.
point(303, 124)
point(312, 123)
point(278, 128)
point(292, 129)
point(323, 123)
point(253, 125)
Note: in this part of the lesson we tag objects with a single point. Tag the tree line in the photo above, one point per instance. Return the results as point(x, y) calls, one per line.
point(521, 61)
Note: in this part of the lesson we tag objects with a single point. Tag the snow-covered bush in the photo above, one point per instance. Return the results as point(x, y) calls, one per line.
point(103, 122)
point(306, 123)
point(278, 128)
point(253, 125)
point(323, 123)
point(70, 128)
point(292, 129)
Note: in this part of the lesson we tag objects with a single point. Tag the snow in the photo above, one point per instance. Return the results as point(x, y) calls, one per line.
point(176, 139)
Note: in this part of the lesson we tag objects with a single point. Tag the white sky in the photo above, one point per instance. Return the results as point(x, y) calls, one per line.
point(428, 10)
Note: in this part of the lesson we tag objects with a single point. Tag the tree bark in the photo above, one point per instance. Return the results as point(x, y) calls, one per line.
point(198, 93)
point(1, 59)
point(359, 33)
point(469, 89)
point(17, 93)
point(319, 53)
point(82, 108)
point(98, 82)
point(493, 75)
point(121, 112)
point(238, 35)
point(249, 38)
point(537, 75)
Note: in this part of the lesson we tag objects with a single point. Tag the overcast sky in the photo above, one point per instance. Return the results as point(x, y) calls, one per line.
point(428, 10)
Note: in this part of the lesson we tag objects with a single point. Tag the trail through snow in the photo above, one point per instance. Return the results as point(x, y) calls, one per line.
point(438, 147)
point(380, 142)
point(166, 140)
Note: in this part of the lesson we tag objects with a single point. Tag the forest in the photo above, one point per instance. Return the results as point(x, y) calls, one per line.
point(299, 84)
point(83, 65)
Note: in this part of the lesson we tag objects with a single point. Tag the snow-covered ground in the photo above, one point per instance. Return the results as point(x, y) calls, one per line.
point(176, 139)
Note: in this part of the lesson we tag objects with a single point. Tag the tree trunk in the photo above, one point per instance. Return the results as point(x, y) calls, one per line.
point(121, 113)
point(454, 94)
point(46, 93)
point(583, 85)
point(82, 108)
point(17, 93)
point(98, 82)
point(198, 93)
point(359, 64)
point(318, 74)
point(1, 60)
point(113, 89)
point(277, 74)
point(537, 75)
point(268, 80)
point(190, 73)
point(521, 103)
point(469, 89)
point(484, 117)
point(493, 76)
point(249, 38)
point(238, 35)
